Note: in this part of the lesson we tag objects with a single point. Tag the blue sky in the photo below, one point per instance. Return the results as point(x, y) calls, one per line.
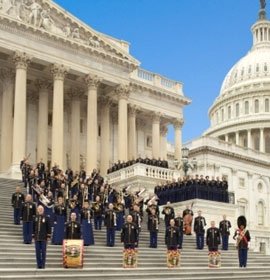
point(192, 41)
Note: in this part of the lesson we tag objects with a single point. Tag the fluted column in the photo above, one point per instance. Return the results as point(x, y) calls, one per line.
point(226, 137)
point(249, 144)
point(21, 61)
point(91, 138)
point(163, 144)
point(262, 144)
point(43, 104)
point(59, 72)
point(156, 135)
point(105, 136)
point(123, 93)
point(132, 137)
point(237, 137)
point(7, 78)
point(178, 123)
point(75, 96)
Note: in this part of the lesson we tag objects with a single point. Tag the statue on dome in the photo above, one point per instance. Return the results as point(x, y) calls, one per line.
point(263, 4)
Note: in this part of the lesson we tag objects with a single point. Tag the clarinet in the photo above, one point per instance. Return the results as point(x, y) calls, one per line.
point(114, 219)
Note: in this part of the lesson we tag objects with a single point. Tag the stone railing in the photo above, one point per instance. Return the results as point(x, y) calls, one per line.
point(157, 81)
point(143, 170)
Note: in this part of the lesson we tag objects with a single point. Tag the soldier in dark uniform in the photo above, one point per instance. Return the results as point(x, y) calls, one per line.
point(168, 211)
point(87, 229)
point(242, 237)
point(41, 170)
point(213, 237)
point(17, 200)
point(136, 217)
point(110, 223)
point(152, 225)
point(199, 225)
point(129, 234)
point(179, 222)
point(224, 228)
point(28, 214)
point(97, 208)
point(73, 228)
point(41, 233)
point(172, 236)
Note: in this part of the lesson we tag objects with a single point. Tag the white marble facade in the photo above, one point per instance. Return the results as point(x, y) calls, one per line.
point(76, 97)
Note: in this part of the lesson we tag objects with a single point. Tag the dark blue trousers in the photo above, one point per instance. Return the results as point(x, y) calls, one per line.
point(167, 223)
point(180, 240)
point(41, 253)
point(110, 236)
point(225, 242)
point(243, 254)
point(27, 232)
point(98, 222)
point(200, 240)
point(17, 213)
point(153, 239)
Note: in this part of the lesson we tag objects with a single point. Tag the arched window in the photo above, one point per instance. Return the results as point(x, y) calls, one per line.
point(246, 107)
point(229, 112)
point(260, 213)
point(237, 110)
point(256, 106)
point(266, 105)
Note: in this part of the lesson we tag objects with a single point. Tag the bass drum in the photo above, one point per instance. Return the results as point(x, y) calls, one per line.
point(73, 253)
point(188, 221)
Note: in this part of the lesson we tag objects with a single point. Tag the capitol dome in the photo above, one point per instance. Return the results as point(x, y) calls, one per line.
point(241, 113)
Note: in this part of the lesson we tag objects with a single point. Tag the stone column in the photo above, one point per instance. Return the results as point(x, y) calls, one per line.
point(59, 72)
point(163, 140)
point(92, 127)
point(132, 135)
point(75, 95)
point(178, 123)
point(249, 144)
point(262, 144)
point(237, 137)
point(7, 78)
point(156, 135)
point(226, 137)
point(123, 93)
point(105, 136)
point(43, 104)
point(21, 61)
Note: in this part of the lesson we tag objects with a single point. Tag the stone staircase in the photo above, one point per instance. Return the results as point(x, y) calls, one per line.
point(17, 260)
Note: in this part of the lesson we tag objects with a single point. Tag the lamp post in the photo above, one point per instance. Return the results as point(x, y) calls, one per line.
point(186, 164)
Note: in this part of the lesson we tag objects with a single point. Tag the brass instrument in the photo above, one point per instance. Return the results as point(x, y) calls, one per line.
point(42, 198)
point(240, 237)
point(85, 194)
point(74, 182)
point(72, 204)
point(96, 206)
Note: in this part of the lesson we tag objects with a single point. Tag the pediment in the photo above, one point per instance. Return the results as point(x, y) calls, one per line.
point(49, 18)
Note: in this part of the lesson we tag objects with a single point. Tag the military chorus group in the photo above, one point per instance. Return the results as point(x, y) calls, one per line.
point(62, 205)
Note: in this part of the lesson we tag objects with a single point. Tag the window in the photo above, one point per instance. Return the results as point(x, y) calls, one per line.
point(265, 67)
point(256, 142)
point(81, 125)
point(257, 68)
point(99, 130)
point(266, 105)
point(216, 117)
point(237, 110)
point(229, 112)
point(256, 106)
point(50, 116)
point(249, 69)
point(222, 114)
point(149, 141)
point(246, 107)
point(260, 213)
point(267, 144)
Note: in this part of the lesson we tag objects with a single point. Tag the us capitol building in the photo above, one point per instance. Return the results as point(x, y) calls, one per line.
point(76, 97)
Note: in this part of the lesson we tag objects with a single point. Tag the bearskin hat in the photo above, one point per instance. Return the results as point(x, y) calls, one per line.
point(242, 221)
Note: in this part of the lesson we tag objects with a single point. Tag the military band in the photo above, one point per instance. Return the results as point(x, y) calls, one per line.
point(68, 203)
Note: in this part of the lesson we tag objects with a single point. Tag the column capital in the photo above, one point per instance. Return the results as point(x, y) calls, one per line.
point(178, 123)
point(105, 101)
point(156, 116)
point(75, 93)
point(163, 130)
point(140, 123)
point(21, 60)
point(133, 110)
point(43, 85)
point(32, 96)
point(59, 71)
point(7, 75)
point(92, 81)
point(123, 91)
